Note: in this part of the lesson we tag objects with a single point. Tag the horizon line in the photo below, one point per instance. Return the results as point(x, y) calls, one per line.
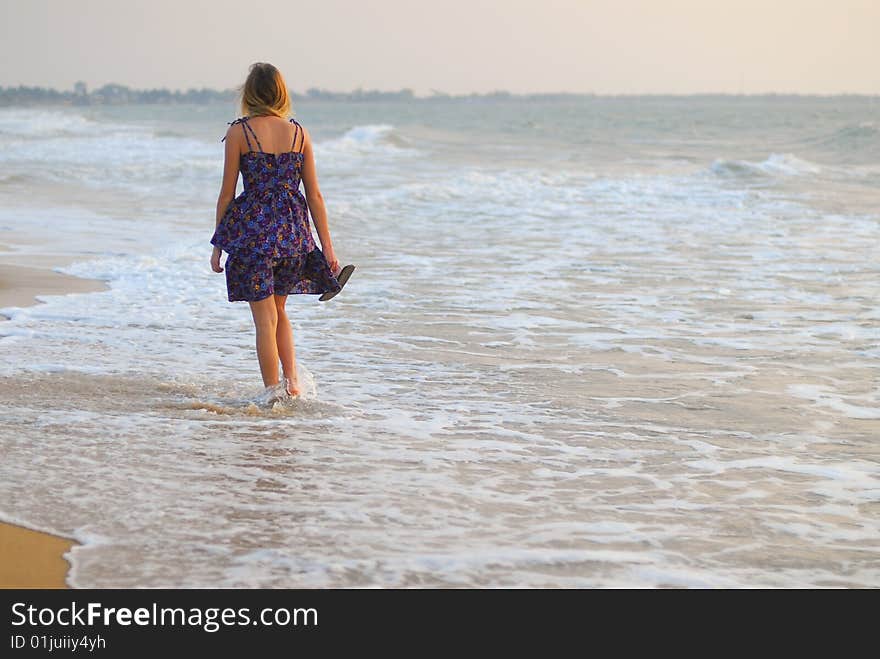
point(435, 94)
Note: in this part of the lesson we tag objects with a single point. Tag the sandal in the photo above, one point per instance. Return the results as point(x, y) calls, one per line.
point(342, 277)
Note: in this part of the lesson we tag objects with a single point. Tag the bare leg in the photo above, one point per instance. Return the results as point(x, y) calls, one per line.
point(284, 340)
point(265, 316)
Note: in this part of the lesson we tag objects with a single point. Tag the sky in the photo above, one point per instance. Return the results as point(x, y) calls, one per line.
point(452, 46)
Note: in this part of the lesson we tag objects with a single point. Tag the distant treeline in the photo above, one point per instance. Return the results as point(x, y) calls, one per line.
point(114, 94)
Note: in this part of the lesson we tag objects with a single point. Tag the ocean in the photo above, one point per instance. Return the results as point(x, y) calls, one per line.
point(590, 342)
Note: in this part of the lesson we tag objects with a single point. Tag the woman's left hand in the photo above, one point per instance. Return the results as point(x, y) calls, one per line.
point(332, 261)
point(215, 260)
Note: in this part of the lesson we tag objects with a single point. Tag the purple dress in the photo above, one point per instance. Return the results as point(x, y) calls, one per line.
point(265, 230)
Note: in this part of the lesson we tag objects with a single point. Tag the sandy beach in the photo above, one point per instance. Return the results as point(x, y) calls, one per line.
point(20, 284)
point(31, 559)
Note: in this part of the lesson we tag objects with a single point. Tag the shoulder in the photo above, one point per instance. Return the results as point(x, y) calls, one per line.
point(231, 131)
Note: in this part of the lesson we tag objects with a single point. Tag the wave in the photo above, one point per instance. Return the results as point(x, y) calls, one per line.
point(777, 164)
point(367, 134)
point(38, 122)
point(863, 135)
point(51, 146)
point(368, 138)
point(17, 179)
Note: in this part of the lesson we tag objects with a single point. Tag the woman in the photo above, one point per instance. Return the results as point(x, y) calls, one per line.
point(265, 230)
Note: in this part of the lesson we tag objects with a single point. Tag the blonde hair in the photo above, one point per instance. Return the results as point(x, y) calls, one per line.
point(265, 92)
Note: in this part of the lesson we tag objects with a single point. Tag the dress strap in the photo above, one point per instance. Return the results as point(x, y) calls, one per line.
point(245, 126)
point(295, 135)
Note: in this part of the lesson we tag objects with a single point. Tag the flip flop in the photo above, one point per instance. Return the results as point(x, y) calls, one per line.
point(342, 277)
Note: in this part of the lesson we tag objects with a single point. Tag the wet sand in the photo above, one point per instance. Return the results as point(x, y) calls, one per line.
point(31, 559)
point(20, 284)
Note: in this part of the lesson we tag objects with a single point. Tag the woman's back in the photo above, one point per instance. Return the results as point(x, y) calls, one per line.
point(273, 134)
point(278, 166)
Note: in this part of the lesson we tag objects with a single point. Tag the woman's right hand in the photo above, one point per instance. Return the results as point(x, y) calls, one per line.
point(215, 260)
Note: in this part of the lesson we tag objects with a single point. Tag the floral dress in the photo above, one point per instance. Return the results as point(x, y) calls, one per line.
point(265, 230)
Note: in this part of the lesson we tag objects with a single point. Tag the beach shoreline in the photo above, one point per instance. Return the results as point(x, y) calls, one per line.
point(28, 558)
point(33, 559)
point(631, 345)
point(24, 276)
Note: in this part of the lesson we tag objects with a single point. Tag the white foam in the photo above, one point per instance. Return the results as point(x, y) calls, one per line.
point(37, 122)
point(826, 397)
point(776, 164)
point(377, 141)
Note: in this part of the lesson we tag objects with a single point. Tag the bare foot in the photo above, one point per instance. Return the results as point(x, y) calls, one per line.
point(291, 386)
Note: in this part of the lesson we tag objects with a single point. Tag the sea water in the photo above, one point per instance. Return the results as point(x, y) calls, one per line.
point(597, 341)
